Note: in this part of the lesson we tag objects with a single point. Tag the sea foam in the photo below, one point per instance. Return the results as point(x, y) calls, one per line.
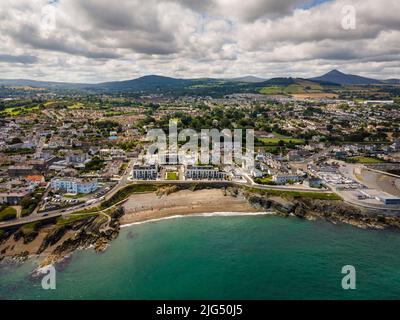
point(205, 215)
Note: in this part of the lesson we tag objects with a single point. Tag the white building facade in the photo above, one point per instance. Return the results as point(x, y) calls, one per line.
point(74, 185)
point(148, 172)
point(204, 172)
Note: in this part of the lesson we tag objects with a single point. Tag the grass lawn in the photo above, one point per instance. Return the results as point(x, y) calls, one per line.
point(78, 105)
point(75, 196)
point(16, 111)
point(272, 90)
point(367, 160)
point(294, 88)
point(172, 175)
point(8, 213)
point(297, 194)
point(277, 135)
point(275, 141)
point(265, 180)
point(271, 149)
point(30, 227)
point(62, 221)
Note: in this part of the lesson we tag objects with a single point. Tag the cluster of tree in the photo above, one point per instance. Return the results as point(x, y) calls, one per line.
point(128, 145)
point(108, 125)
point(95, 164)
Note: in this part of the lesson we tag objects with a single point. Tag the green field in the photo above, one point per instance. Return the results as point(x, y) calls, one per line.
point(30, 227)
point(8, 213)
point(296, 194)
point(294, 88)
point(274, 90)
point(265, 180)
point(171, 175)
point(62, 221)
point(16, 111)
point(275, 141)
point(367, 160)
point(301, 86)
point(78, 105)
point(75, 196)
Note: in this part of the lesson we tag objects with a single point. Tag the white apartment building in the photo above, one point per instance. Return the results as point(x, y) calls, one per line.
point(74, 185)
point(285, 178)
point(144, 172)
point(204, 172)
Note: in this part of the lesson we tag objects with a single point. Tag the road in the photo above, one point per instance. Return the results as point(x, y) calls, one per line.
point(58, 213)
point(124, 181)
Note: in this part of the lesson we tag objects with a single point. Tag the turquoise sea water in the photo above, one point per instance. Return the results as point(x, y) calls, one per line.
point(252, 257)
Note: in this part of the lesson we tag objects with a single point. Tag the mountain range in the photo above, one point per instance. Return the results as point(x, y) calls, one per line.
point(155, 83)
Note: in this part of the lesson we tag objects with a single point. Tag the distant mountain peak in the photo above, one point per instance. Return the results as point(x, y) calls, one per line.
point(335, 71)
point(248, 78)
point(338, 77)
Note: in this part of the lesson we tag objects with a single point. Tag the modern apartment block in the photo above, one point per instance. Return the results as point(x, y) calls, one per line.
point(285, 178)
point(144, 172)
point(12, 198)
point(20, 171)
point(74, 185)
point(204, 172)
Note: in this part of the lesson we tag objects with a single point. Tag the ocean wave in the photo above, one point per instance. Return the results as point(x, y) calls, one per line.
point(205, 215)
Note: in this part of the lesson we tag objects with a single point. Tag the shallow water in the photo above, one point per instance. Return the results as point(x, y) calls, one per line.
point(249, 257)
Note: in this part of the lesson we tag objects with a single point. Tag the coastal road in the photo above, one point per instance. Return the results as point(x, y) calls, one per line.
point(43, 216)
point(124, 181)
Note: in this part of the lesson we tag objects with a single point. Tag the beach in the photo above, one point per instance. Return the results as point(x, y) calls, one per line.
point(149, 206)
point(139, 208)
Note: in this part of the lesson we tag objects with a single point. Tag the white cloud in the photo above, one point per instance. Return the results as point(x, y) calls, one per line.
point(96, 40)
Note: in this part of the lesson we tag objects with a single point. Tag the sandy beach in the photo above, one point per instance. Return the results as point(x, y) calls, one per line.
point(144, 207)
point(149, 206)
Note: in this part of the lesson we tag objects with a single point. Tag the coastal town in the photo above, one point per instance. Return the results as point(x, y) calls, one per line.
point(62, 154)
point(199, 159)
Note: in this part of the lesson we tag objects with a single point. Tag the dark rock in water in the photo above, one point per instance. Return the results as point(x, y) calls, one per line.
point(281, 205)
point(132, 235)
point(63, 264)
point(23, 256)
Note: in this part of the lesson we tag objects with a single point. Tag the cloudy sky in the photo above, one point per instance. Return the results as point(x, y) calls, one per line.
point(103, 40)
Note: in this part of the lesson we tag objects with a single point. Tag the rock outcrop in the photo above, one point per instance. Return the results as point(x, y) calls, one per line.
point(92, 232)
point(331, 210)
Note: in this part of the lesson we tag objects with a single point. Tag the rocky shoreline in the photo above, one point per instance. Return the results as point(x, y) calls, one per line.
point(55, 242)
point(60, 241)
point(335, 211)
